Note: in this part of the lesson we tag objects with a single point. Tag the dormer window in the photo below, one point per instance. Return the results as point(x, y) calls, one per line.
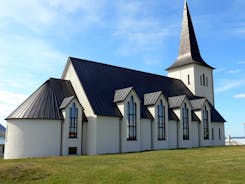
point(161, 121)
point(132, 107)
point(73, 121)
point(185, 119)
point(205, 123)
point(188, 80)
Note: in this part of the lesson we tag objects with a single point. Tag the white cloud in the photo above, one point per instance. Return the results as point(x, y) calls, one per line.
point(242, 95)
point(229, 85)
point(8, 102)
point(235, 71)
point(241, 62)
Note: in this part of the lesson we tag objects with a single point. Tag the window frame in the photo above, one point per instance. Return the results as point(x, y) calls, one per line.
point(72, 150)
point(73, 121)
point(185, 123)
point(161, 121)
point(205, 124)
point(132, 120)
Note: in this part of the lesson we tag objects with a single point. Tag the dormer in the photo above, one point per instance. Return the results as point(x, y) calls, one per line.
point(128, 104)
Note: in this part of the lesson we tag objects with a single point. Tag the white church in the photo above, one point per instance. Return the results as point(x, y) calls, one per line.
point(97, 108)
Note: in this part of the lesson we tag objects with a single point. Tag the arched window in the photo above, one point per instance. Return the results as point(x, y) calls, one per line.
point(185, 117)
point(161, 121)
point(73, 121)
point(205, 123)
point(132, 131)
point(203, 79)
point(188, 78)
point(206, 81)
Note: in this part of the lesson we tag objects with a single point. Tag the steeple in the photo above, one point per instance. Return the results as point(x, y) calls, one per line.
point(188, 50)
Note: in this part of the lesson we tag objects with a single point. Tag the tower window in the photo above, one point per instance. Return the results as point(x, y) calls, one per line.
point(188, 78)
point(203, 78)
point(207, 81)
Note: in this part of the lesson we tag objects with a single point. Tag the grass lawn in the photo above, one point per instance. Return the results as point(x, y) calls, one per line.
point(200, 165)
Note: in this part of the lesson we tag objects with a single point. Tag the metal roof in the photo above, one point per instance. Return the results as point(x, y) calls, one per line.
point(198, 103)
point(172, 115)
point(100, 81)
point(151, 98)
point(66, 101)
point(176, 101)
point(194, 117)
point(44, 103)
point(121, 94)
point(188, 50)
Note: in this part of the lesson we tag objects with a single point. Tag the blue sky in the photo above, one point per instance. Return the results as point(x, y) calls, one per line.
point(36, 37)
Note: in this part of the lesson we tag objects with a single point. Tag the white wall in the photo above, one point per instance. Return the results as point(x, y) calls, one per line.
point(145, 132)
point(181, 142)
point(71, 142)
point(217, 126)
point(71, 75)
point(129, 145)
point(84, 138)
point(195, 134)
point(159, 144)
point(91, 135)
point(172, 135)
point(32, 138)
point(204, 142)
point(107, 139)
point(194, 71)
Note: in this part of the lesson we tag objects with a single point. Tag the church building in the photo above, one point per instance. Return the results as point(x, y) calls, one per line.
point(97, 108)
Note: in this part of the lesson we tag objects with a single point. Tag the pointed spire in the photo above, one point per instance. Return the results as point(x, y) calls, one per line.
point(188, 50)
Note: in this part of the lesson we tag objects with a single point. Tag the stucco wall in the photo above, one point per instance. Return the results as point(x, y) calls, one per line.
point(195, 71)
point(216, 126)
point(71, 75)
point(129, 145)
point(172, 136)
point(71, 142)
point(145, 132)
point(32, 138)
point(195, 134)
point(107, 129)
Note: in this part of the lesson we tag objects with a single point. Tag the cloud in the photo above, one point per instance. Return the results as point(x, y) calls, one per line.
point(137, 30)
point(241, 62)
point(242, 95)
point(8, 102)
point(235, 71)
point(229, 85)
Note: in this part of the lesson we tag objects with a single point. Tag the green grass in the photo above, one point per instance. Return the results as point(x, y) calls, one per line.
point(201, 165)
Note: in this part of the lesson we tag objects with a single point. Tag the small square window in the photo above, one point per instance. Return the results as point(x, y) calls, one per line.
point(72, 150)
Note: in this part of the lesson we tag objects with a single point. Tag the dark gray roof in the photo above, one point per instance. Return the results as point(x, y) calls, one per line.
point(198, 103)
point(188, 51)
point(2, 128)
point(100, 81)
point(172, 115)
point(44, 103)
point(121, 94)
point(151, 98)
point(176, 101)
point(194, 117)
point(66, 101)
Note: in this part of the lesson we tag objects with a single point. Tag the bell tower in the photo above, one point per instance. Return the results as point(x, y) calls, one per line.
point(189, 67)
